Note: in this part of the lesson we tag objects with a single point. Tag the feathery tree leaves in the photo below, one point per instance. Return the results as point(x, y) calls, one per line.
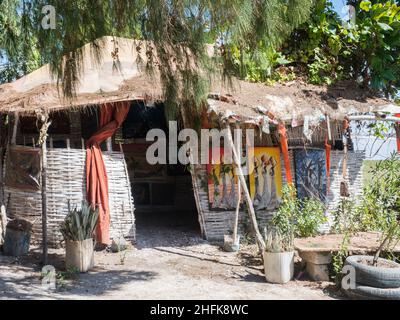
point(176, 32)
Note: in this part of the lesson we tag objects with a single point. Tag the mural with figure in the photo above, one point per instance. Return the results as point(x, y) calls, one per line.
point(265, 179)
point(222, 183)
point(310, 169)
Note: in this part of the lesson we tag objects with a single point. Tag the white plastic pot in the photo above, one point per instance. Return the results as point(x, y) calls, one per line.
point(279, 267)
point(79, 255)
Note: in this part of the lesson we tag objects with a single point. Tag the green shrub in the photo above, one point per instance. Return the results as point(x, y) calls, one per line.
point(300, 217)
point(310, 216)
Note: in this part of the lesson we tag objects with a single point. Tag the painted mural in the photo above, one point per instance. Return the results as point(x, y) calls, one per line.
point(266, 180)
point(222, 183)
point(310, 168)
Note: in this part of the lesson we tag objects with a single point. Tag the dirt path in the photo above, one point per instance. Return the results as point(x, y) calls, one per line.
point(163, 265)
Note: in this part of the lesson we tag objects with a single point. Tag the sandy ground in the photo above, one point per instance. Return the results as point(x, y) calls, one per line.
point(164, 264)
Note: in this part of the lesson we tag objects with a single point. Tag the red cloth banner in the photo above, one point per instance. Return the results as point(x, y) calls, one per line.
point(285, 152)
point(112, 115)
point(328, 148)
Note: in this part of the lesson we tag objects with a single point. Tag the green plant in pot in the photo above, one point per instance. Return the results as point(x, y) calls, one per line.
point(78, 228)
point(278, 256)
point(279, 240)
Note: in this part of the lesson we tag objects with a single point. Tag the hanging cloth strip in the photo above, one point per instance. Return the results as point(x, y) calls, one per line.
point(112, 115)
point(328, 148)
point(285, 152)
point(397, 129)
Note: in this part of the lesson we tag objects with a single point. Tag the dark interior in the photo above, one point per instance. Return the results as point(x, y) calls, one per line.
point(163, 193)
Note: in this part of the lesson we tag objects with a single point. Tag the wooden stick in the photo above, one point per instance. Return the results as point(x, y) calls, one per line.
point(239, 192)
point(249, 202)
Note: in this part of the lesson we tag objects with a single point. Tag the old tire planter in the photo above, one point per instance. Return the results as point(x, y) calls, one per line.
point(371, 293)
point(375, 277)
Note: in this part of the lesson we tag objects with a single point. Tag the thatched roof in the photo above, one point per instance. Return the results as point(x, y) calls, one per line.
point(101, 82)
point(297, 99)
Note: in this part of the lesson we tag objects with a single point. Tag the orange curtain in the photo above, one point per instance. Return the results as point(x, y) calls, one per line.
point(112, 115)
point(285, 152)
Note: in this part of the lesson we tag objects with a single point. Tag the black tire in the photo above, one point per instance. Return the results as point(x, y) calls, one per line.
point(374, 276)
point(370, 293)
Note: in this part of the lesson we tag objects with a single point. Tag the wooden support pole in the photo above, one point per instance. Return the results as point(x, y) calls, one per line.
point(15, 128)
point(43, 140)
point(44, 201)
point(249, 202)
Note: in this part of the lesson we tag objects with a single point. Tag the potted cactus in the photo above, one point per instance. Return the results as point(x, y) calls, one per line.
point(77, 229)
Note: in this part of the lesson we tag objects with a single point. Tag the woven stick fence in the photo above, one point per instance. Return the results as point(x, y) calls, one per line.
point(66, 182)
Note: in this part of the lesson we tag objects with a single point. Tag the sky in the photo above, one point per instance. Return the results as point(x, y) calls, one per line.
point(339, 5)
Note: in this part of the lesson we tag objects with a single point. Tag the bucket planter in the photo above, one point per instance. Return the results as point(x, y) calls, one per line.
point(278, 256)
point(17, 237)
point(79, 255)
point(77, 229)
point(279, 266)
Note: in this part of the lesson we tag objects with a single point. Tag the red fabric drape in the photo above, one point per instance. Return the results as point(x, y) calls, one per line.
point(112, 115)
point(328, 148)
point(285, 152)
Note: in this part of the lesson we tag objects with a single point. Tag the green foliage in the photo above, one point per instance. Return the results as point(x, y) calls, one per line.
point(302, 217)
point(18, 51)
point(339, 257)
point(310, 216)
point(378, 209)
point(80, 224)
point(326, 49)
point(346, 217)
point(380, 204)
point(284, 219)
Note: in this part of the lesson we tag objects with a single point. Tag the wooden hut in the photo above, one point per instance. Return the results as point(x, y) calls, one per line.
point(304, 117)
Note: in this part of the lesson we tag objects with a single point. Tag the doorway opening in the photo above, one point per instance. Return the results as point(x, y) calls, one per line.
point(162, 193)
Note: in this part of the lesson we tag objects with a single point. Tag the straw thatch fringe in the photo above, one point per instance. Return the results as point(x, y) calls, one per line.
point(66, 182)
